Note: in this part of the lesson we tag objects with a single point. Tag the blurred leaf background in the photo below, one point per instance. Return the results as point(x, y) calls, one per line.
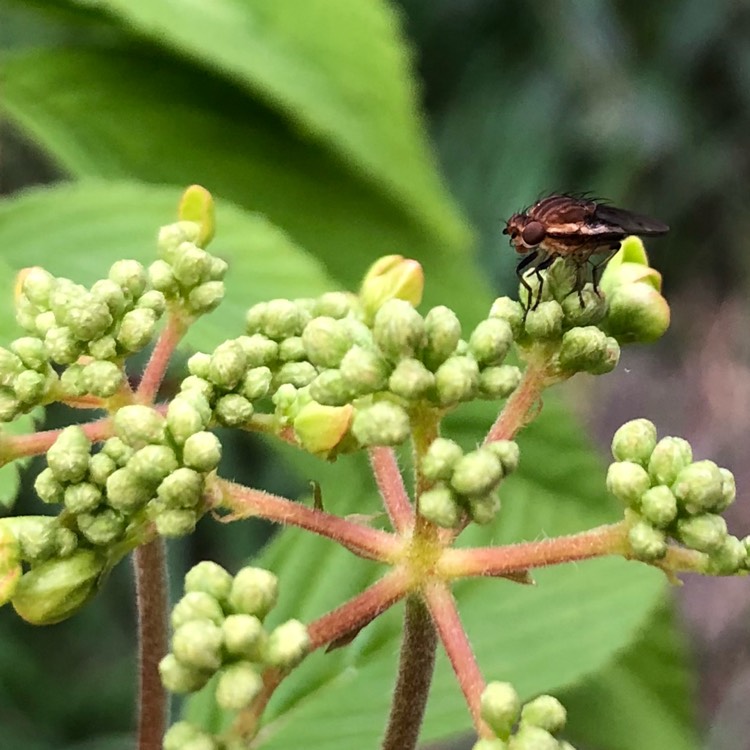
point(334, 131)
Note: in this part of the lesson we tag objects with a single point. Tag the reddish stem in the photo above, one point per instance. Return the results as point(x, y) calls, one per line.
point(391, 486)
point(34, 444)
point(151, 598)
point(444, 613)
point(364, 541)
point(157, 365)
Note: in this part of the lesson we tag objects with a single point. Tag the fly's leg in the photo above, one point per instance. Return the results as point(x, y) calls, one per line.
point(598, 268)
point(520, 268)
point(543, 266)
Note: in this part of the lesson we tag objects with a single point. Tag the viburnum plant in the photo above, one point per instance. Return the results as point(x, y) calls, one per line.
point(338, 374)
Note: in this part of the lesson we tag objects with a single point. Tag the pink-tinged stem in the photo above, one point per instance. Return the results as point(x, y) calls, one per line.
point(362, 540)
point(18, 446)
point(152, 606)
point(157, 365)
point(391, 486)
point(494, 561)
point(444, 613)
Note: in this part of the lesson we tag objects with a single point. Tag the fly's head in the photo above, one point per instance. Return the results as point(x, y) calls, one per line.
point(525, 233)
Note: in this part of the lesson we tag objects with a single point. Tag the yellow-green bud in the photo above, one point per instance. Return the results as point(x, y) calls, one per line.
point(456, 380)
point(153, 300)
point(202, 452)
point(62, 346)
point(101, 527)
point(298, 374)
point(112, 294)
point(238, 685)
point(500, 707)
point(669, 457)
point(382, 423)
point(545, 712)
point(499, 382)
point(49, 489)
point(162, 278)
point(29, 386)
point(728, 489)
point(37, 284)
point(233, 410)
point(440, 506)
point(335, 304)
point(326, 341)
point(729, 558)
point(509, 310)
point(43, 323)
point(130, 275)
point(490, 341)
point(152, 463)
point(440, 458)
point(184, 419)
point(117, 450)
point(320, 428)
point(199, 364)
point(82, 497)
point(705, 533)
point(637, 313)
point(659, 506)
point(484, 508)
point(197, 644)
point(330, 389)
point(202, 386)
point(174, 523)
point(126, 492)
point(283, 318)
point(206, 297)
point(211, 578)
point(583, 349)
point(476, 473)
point(54, 590)
point(197, 205)
point(490, 744)
point(191, 265)
point(627, 481)
point(173, 235)
point(699, 487)
point(442, 330)
point(508, 453)
point(181, 678)
point(287, 645)
point(411, 379)
point(196, 605)
point(257, 383)
point(105, 347)
point(10, 367)
point(244, 636)
point(137, 328)
point(102, 378)
point(287, 400)
point(398, 329)
point(181, 489)
point(10, 563)
point(184, 736)
point(254, 592)
point(31, 351)
point(530, 737)
point(71, 380)
point(37, 538)
point(227, 365)
point(88, 317)
point(545, 322)
point(292, 349)
point(68, 456)
point(634, 441)
point(391, 277)
point(100, 468)
point(593, 311)
point(138, 425)
point(10, 406)
point(255, 318)
point(364, 370)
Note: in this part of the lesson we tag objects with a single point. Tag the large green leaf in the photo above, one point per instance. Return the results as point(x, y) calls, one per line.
point(79, 229)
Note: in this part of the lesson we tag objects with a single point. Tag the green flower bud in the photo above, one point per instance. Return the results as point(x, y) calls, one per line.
point(391, 277)
point(254, 592)
point(102, 378)
point(411, 379)
point(298, 374)
point(152, 463)
point(705, 533)
point(10, 367)
point(320, 428)
point(36, 285)
point(476, 473)
point(206, 297)
point(197, 205)
point(634, 441)
point(637, 313)
point(181, 678)
point(191, 265)
point(699, 487)
point(62, 346)
point(545, 322)
point(283, 318)
point(659, 506)
point(509, 310)
point(197, 644)
point(238, 685)
point(71, 380)
point(68, 457)
point(227, 365)
point(117, 450)
point(211, 578)
point(292, 349)
point(382, 423)
point(287, 645)
point(174, 523)
point(499, 382)
point(484, 508)
point(29, 387)
point(10, 563)
point(530, 737)
point(32, 352)
point(183, 488)
point(330, 389)
point(66, 541)
point(583, 349)
point(102, 527)
point(163, 279)
point(54, 590)
point(287, 402)
point(440, 506)
point(490, 341)
point(729, 558)
point(43, 323)
point(326, 341)
point(259, 350)
point(49, 489)
point(37, 538)
point(111, 294)
point(244, 636)
point(88, 317)
point(10, 406)
point(199, 364)
point(508, 453)
point(191, 385)
point(728, 490)
point(440, 458)
point(64, 293)
point(398, 329)
point(255, 318)
point(153, 300)
point(335, 304)
point(82, 498)
point(490, 744)
point(100, 468)
point(130, 275)
point(137, 328)
point(184, 736)
point(173, 235)
point(669, 457)
point(592, 313)
point(545, 712)
point(126, 492)
point(183, 420)
point(196, 605)
point(364, 370)
point(500, 707)
point(202, 452)
point(103, 348)
point(442, 332)
point(257, 383)
point(457, 379)
point(138, 425)
point(359, 333)
point(233, 410)
point(627, 481)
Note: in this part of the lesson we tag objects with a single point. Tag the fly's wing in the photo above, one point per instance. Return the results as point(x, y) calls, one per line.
point(629, 222)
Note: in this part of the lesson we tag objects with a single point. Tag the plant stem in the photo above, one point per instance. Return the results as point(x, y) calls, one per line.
point(415, 670)
point(391, 485)
point(152, 607)
point(159, 361)
point(36, 443)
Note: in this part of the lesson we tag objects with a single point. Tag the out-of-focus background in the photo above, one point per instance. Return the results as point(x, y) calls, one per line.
point(645, 104)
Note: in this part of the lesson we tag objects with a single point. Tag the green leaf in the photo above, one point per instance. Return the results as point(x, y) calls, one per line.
point(78, 230)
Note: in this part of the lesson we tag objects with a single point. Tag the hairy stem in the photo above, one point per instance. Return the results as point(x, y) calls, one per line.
point(415, 670)
point(36, 443)
point(160, 357)
point(391, 485)
point(152, 607)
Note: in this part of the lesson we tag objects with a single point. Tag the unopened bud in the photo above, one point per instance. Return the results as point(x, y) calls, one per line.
point(545, 321)
point(659, 506)
point(391, 277)
point(152, 463)
point(411, 379)
point(530, 737)
point(637, 313)
point(196, 605)
point(442, 332)
point(440, 506)
point(244, 636)
point(138, 425)
point(398, 329)
point(202, 452)
point(634, 441)
point(382, 423)
point(476, 473)
point(456, 380)
point(490, 341)
point(102, 378)
point(101, 527)
point(181, 678)
point(440, 458)
point(254, 592)
point(500, 707)
point(705, 533)
point(669, 457)
point(130, 275)
point(68, 457)
point(137, 328)
point(499, 382)
point(699, 487)
point(238, 685)
point(283, 318)
point(197, 644)
point(287, 645)
point(509, 310)
point(508, 453)
point(181, 489)
point(545, 712)
point(364, 370)
point(211, 578)
point(233, 410)
point(627, 481)
point(330, 389)
point(320, 428)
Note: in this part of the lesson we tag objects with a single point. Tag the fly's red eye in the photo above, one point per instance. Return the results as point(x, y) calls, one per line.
point(533, 233)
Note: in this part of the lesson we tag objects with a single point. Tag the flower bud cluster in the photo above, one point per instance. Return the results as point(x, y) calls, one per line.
point(185, 273)
point(465, 483)
point(218, 630)
point(531, 726)
point(669, 495)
